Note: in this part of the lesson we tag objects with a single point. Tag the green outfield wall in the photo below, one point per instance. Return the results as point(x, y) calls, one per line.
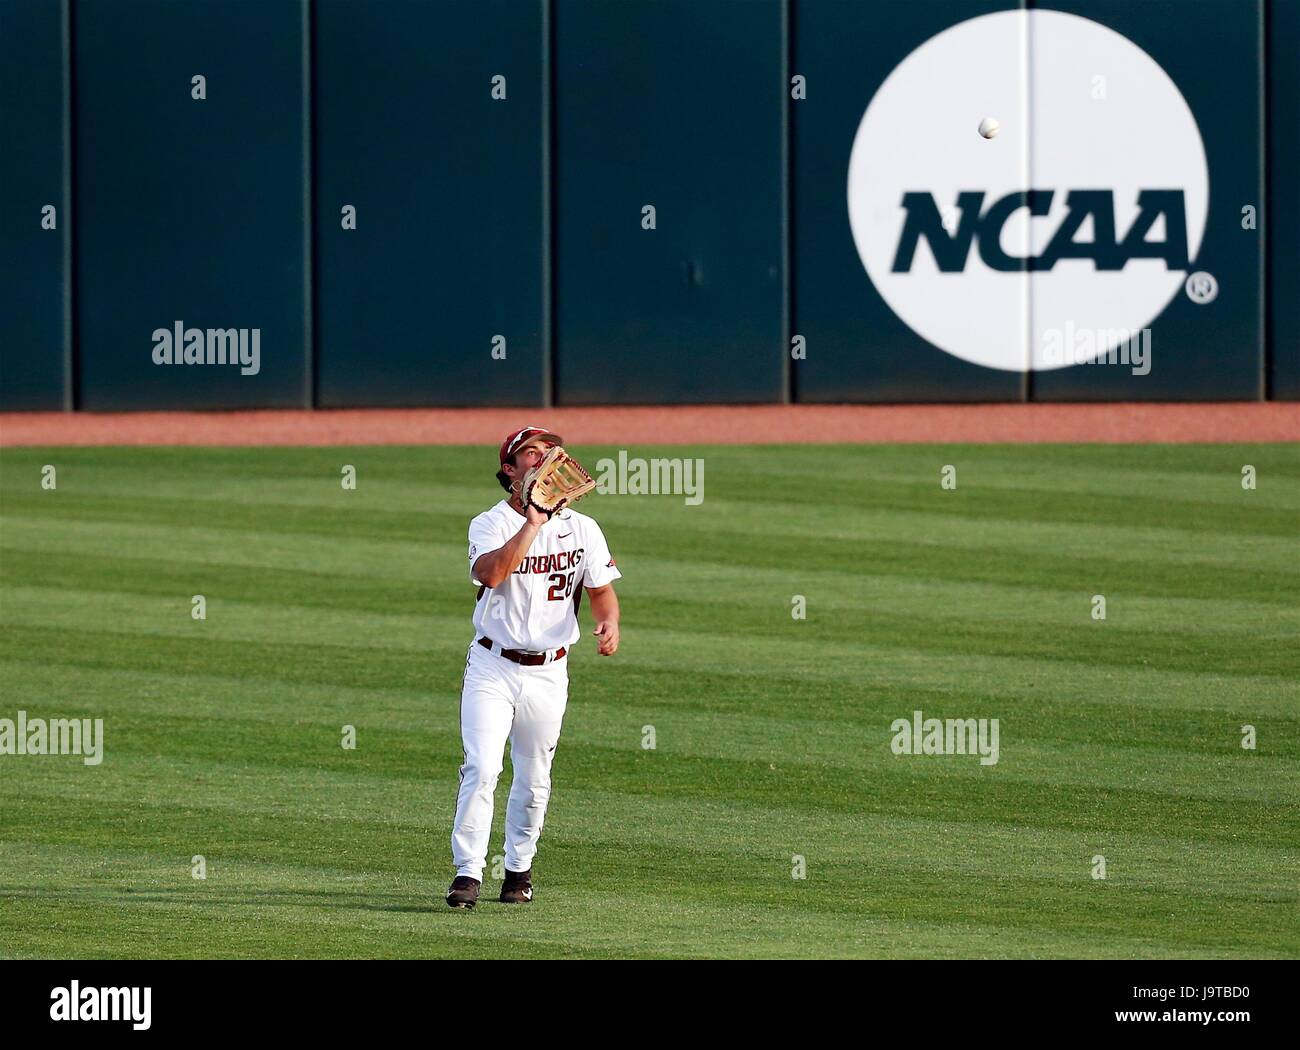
point(337, 203)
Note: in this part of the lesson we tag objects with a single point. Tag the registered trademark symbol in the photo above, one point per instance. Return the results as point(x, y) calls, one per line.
point(1202, 287)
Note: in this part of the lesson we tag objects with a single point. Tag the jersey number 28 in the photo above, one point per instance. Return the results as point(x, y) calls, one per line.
point(561, 587)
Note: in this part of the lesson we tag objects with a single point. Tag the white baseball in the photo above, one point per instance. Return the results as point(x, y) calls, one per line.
point(989, 127)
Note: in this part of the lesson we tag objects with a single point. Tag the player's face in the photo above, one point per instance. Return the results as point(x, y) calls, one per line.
point(528, 457)
point(531, 455)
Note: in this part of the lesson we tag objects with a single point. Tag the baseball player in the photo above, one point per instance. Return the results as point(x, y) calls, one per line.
point(532, 570)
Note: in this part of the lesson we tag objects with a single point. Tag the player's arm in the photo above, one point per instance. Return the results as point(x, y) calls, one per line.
point(495, 567)
point(604, 609)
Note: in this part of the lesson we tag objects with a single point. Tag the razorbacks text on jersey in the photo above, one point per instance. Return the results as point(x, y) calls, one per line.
point(535, 608)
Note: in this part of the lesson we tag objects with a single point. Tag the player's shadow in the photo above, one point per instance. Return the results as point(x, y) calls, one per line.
point(332, 899)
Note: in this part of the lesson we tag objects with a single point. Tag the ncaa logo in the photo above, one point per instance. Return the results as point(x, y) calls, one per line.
point(1085, 211)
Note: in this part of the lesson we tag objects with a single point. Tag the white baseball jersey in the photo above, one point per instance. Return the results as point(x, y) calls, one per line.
point(536, 607)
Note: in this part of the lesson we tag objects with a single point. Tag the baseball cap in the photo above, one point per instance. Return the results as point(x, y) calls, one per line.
point(517, 439)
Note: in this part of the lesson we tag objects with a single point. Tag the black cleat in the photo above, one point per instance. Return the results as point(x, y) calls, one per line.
point(463, 892)
point(518, 887)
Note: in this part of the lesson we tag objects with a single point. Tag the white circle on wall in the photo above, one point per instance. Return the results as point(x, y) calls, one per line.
point(942, 218)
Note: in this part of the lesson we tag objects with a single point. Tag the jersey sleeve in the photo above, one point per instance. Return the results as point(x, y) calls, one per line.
point(486, 534)
point(598, 566)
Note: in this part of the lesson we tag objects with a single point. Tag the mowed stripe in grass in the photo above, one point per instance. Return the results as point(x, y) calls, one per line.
point(330, 607)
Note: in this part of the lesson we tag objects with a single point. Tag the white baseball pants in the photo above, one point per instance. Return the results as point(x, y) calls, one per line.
point(500, 701)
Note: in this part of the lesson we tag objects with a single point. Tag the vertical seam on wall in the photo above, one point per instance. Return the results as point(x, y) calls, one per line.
point(1265, 299)
point(1027, 115)
point(548, 207)
point(787, 211)
point(71, 362)
point(310, 379)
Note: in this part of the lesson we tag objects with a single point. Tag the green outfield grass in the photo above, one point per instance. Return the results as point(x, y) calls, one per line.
point(326, 607)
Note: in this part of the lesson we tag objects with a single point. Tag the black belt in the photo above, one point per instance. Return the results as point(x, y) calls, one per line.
point(519, 656)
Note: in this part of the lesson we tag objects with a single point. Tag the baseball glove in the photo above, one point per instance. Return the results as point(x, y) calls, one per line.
point(557, 481)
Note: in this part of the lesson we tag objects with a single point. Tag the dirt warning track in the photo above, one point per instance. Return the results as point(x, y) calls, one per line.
point(678, 424)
